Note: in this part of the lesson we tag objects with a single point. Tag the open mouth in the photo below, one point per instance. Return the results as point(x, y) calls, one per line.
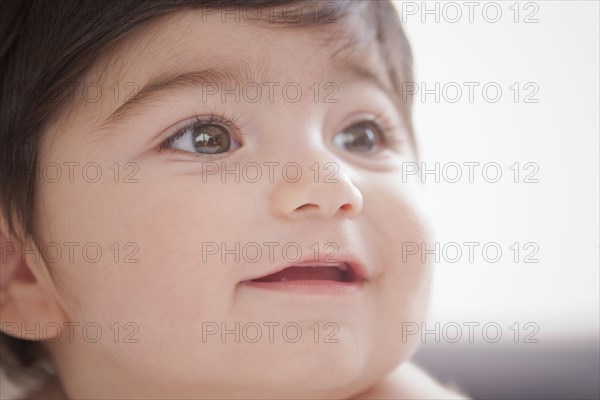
point(342, 278)
point(340, 272)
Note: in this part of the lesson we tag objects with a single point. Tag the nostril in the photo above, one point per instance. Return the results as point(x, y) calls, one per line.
point(346, 207)
point(307, 206)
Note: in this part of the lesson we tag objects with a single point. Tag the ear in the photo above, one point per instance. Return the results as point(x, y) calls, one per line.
point(27, 297)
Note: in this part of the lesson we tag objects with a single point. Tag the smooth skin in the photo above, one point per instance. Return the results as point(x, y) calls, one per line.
point(173, 206)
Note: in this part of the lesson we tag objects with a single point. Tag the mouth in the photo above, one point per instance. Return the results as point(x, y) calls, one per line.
point(340, 272)
point(307, 277)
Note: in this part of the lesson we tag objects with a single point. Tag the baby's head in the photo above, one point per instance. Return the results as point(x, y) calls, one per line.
point(167, 164)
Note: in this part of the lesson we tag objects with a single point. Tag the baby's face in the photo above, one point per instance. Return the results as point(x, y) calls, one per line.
point(183, 238)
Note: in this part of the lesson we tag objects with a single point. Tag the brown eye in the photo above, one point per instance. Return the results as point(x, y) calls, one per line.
point(363, 137)
point(210, 139)
point(203, 138)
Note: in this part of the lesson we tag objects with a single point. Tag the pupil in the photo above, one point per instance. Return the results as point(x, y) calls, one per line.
point(360, 138)
point(211, 139)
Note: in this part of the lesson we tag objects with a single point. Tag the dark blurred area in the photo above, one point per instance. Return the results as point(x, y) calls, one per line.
point(545, 371)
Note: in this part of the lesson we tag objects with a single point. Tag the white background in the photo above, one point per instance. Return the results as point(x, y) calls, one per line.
point(560, 133)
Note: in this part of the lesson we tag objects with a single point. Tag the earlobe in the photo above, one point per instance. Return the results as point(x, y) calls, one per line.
point(26, 304)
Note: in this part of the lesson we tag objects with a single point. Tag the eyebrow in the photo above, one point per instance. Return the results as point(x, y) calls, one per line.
point(168, 82)
point(177, 81)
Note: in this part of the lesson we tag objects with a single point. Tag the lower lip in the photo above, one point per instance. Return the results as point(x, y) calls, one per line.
point(309, 287)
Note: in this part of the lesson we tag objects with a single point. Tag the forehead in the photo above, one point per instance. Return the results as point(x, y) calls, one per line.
point(189, 40)
point(193, 37)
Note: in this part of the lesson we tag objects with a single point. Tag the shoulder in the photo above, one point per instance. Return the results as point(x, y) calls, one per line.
point(410, 382)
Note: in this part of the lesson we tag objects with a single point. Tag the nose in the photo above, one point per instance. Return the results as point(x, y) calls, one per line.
point(313, 194)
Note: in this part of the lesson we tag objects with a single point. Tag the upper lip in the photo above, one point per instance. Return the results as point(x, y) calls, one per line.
point(355, 266)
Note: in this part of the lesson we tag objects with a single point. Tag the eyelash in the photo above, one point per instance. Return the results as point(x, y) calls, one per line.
point(390, 133)
point(227, 121)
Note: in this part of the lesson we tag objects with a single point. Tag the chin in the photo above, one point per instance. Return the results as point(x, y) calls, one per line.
point(327, 370)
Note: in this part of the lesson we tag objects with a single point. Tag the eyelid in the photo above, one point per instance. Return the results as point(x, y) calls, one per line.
point(389, 129)
point(392, 133)
point(227, 121)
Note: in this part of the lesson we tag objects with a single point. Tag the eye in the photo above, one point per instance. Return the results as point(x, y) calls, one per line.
point(203, 137)
point(362, 137)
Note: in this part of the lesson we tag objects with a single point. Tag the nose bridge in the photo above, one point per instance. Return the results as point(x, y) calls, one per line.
point(313, 181)
point(296, 126)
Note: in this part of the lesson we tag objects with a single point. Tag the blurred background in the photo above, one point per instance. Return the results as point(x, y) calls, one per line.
point(512, 88)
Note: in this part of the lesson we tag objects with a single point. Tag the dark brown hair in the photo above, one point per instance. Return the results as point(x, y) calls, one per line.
point(48, 44)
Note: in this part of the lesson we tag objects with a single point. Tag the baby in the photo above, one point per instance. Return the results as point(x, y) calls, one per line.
point(202, 200)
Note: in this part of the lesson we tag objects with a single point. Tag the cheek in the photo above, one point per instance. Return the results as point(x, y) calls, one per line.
point(150, 273)
point(149, 234)
point(405, 283)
